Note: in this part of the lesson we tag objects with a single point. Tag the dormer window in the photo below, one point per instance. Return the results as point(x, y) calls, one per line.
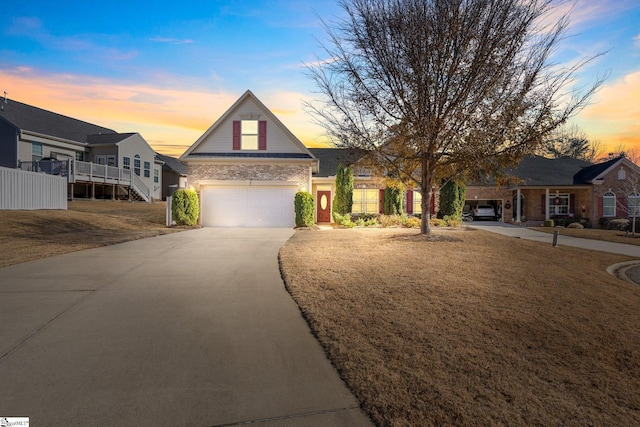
point(249, 135)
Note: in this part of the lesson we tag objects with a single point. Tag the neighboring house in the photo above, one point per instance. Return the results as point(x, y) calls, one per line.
point(247, 168)
point(174, 174)
point(544, 188)
point(98, 161)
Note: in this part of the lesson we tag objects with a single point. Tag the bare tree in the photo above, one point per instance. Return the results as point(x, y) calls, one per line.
point(436, 88)
point(630, 203)
point(571, 141)
point(631, 153)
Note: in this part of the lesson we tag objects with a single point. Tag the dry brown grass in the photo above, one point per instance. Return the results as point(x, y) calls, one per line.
point(30, 235)
point(596, 234)
point(476, 329)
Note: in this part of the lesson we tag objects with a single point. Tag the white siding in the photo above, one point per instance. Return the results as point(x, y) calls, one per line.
point(30, 190)
point(221, 139)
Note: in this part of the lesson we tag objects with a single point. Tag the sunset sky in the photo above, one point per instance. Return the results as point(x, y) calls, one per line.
point(168, 70)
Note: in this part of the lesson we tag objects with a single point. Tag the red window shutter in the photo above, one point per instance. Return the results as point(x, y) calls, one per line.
point(572, 203)
point(236, 134)
point(262, 135)
point(409, 202)
point(600, 207)
point(621, 207)
point(432, 205)
point(543, 203)
point(381, 202)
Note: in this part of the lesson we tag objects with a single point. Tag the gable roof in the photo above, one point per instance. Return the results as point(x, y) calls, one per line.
point(595, 172)
point(171, 163)
point(222, 119)
point(331, 158)
point(33, 119)
point(108, 138)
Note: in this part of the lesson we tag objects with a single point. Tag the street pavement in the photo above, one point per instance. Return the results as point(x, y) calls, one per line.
point(192, 329)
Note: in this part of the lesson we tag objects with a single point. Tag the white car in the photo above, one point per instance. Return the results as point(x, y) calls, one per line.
point(484, 212)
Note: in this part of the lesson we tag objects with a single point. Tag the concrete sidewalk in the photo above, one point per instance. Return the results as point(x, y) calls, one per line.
point(191, 328)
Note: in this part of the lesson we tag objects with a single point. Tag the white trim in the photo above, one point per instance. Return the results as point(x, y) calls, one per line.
point(246, 183)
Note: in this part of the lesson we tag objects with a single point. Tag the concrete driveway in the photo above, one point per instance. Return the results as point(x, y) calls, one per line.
point(192, 328)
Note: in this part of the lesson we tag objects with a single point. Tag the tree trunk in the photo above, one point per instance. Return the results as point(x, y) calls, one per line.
point(425, 191)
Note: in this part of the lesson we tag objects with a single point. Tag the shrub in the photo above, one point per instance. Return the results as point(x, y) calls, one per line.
point(451, 200)
point(452, 221)
point(343, 220)
point(185, 207)
point(619, 224)
point(575, 225)
point(392, 220)
point(549, 223)
point(412, 222)
point(392, 202)
point(343, 199)
point(304, 206)
point(437, 222)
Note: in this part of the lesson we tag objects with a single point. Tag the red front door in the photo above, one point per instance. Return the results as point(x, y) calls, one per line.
point(324, 206)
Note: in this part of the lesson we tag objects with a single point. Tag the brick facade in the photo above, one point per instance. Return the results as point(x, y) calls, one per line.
point(250, 172)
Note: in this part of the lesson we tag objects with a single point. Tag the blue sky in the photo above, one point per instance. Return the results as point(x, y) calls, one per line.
point(169, 69)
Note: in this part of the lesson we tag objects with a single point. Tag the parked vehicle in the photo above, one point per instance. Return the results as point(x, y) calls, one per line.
point(484, 212)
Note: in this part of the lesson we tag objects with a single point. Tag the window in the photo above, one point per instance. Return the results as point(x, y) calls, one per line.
point(36, 151)
point(417, 202)
point(634, 204)
point(147, 169)
point(365, 200)
point(609, 204)
point(622, 174)
point(558, 204)
point(79, 156)
point(249, 134)
point(136, 164)
point(156, 176)
point(126, 162)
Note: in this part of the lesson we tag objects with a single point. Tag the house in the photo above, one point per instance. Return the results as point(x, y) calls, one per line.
point(97, 161)
point(565, 188)
point(174, 174)
point(247, 168)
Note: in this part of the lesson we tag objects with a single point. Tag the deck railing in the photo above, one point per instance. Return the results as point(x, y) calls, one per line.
point(78, 171)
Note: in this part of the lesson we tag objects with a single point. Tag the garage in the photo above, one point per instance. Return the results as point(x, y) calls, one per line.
point(248, 206)
point(483, 206)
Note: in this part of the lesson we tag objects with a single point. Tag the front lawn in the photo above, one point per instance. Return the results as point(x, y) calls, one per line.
point(469, 327)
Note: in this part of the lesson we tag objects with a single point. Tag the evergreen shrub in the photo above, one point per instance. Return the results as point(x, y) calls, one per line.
point(185, 207)
point(304, 205)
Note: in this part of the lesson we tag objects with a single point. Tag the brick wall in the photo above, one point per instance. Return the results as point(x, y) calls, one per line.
point(253, 172)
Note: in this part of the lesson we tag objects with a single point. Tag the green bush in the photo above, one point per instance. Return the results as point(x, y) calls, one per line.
point(452, 221)
point(304, 205)
point(392, 201)
point(343, 199)
point(343, 220)
point(549, 223)
point(185, 207)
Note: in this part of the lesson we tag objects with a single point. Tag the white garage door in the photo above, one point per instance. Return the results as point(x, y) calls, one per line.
point(248, 206)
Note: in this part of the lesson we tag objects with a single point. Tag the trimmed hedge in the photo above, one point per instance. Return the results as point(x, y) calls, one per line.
point(185, 207)
point(304, 205)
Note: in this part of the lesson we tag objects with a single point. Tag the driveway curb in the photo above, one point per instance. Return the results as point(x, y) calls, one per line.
point(628, 271)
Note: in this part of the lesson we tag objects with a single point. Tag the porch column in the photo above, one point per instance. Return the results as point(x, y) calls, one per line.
point(546, 204)
point(113, 191)
point(518, 206)
point(93, 191)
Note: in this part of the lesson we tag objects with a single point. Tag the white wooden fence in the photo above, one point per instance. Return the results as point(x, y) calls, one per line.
point(31, 190)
